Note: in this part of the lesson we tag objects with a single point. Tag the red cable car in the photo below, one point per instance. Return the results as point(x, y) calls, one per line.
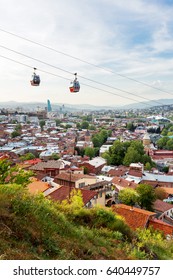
point(35, 79)
point(74, 85)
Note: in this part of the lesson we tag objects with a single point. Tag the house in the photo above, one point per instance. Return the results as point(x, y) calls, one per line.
point(94, 166)
point(121, 183)
point(73, 169)
point(140, 218)
point(90, 198)
point(119, 171)
point(104, 148)
point(136, 170)
point(134, 217)
point(51, 167)
point(74, 180)
point(164, 211)
point(37, 186)
point(162, 226)
point(103, 188)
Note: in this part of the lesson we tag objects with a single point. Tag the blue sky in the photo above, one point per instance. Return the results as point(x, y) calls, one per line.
point(131, 38)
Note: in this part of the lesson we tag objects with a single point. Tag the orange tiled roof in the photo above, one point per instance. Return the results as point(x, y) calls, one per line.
point(134, 217)
point(168, 190)
point(37, 187)
point(159, 225)
point(32, 161)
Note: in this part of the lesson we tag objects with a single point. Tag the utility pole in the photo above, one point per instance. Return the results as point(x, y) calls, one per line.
point(70, 183)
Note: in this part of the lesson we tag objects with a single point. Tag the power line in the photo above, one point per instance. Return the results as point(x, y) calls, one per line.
point(84, 61)
point(50, 65)
point(47, 72)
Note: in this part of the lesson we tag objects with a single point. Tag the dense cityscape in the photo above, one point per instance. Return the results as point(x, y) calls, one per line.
point(118, 160)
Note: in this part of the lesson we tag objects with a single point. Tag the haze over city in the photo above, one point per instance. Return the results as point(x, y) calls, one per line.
point(109, 42)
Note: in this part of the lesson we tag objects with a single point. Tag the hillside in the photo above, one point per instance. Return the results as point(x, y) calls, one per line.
point(33, 227)
point(30, 106)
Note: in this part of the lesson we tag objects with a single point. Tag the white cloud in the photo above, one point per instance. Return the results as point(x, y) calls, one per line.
point(130, 38)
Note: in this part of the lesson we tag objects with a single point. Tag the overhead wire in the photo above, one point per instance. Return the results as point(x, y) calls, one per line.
point(84, 61)
point(66, 71)
point(59, 76)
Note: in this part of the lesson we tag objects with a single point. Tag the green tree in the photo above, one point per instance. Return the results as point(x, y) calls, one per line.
point(68, 126)
point(103, 135)
point(148, 166)
point(107, 156)
point(138, 146)
point(57, 122)
point(42, 123)
point(96, 151)
point(9, 174)
point(130, 126)
point(18, 127)
point(89, 152)
point(78, 125)
point(164, 132)
point(27, 156)
point(92, 127)
point(96, 141)
point(131, 156)
point(160, 193)
point(169, 144)
point(145, 158)
point(128, 196)
point(84, 125)
point(162, 142)
point(165, 169)
point(15, 133)
point(117, 152)
point(55, 156)
point(171, 128)
point(146, 196)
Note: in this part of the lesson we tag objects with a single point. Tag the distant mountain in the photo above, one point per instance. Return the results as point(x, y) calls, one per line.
point(147, 104)
point(68, 107)
point(79, 107)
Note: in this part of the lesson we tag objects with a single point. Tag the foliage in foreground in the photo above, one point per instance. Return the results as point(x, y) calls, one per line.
point(33, 227)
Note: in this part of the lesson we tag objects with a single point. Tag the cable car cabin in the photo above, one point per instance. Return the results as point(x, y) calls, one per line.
point(74, 86)
point(35, 80)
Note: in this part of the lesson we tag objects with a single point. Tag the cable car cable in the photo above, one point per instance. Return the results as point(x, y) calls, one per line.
point(84, 61)
point(56, 75)
point(50, 65)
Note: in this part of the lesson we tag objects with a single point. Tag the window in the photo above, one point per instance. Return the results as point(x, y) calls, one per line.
point(100, 194)
point(81, 185)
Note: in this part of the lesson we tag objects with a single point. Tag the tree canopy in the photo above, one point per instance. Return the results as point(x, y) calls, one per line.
point(146, 196)
point(13, 174)
point(128, 152)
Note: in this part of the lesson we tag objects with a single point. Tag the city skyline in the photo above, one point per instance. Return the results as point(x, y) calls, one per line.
point(116, 50)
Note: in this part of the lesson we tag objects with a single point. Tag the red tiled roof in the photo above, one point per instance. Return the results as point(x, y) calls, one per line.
point(118, 172)
point(32, 161)
point(159, 225)
point(40, 166)
point(71, 177)
point(135, 173)
point(63, 193)
point(123, 183)
point(134, 217)
point(162, 206)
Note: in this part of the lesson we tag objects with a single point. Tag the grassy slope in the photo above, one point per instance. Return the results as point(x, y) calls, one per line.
point(32, 227)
